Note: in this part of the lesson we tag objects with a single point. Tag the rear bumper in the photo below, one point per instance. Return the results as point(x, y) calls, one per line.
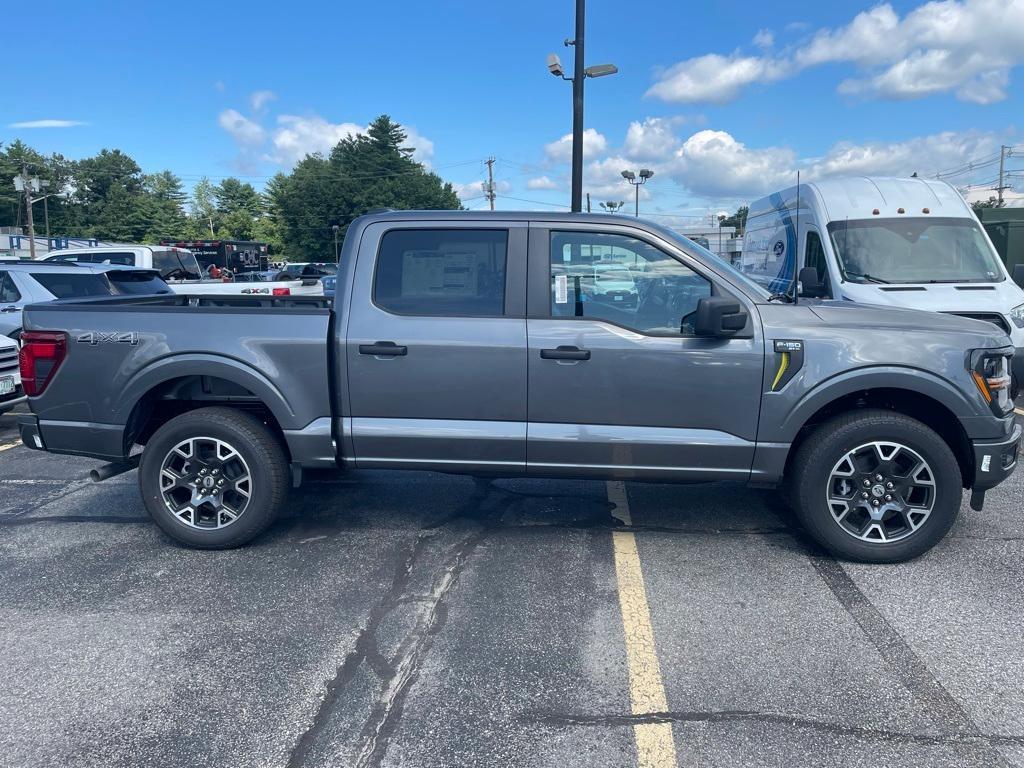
point(99, 441)
point(6, 405)
point(28, 427)
point(995, 460)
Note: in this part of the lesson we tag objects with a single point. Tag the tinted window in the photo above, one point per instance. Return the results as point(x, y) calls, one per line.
point(125, 259)
point(66, 286)
point(137, 282)
point(624, 281)
point(814, 256)
point(8, 292)
point(451, 272)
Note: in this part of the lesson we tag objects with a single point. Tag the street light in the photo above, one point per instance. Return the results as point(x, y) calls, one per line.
point(613, 207)
point(637, 183)
point(580, 73)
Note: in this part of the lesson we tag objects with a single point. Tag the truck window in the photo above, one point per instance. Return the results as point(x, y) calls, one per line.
point(8, 292)
point(442, 272)
point(132, 282)
point(124, 258)
point(814, 256)
point(624, 281)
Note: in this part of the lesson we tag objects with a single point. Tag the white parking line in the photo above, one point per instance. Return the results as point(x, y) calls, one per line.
point(655, 746)
point(8, 446)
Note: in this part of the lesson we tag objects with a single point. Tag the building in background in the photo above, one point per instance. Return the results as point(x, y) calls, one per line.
point(14, 243)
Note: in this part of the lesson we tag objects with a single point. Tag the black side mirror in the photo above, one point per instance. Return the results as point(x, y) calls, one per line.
point(719, 316)
point(810, 285)
point(1018, 274)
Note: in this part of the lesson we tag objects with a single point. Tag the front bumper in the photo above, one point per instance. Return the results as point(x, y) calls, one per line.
point(995, 460)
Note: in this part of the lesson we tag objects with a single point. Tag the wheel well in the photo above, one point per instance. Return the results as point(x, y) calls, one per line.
point(925, 409)
point(187, 393)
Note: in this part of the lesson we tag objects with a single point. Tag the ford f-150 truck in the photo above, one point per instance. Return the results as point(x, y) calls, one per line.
point(467, 342)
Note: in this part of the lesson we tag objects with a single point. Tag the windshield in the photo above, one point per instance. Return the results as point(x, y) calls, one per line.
point(914, 250)
point(176, 265)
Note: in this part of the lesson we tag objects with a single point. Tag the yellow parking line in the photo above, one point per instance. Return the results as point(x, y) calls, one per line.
point(655, 746)
point(1019, 411)
point(8, 446)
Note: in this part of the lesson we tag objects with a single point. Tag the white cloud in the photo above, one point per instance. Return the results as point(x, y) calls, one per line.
point(764, 38)
point(924, 155)
point(295, 137)
point(541, 182)
point(560, 151)
point(259, 99)
point(714, 164)
point(652, 137)
point(422, 147)
point(245, 132)
point(716, 79)
point(46, 124)
point(474, 190)
point(967, 47)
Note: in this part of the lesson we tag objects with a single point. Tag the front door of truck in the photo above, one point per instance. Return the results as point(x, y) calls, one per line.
point(618, 383)
point(436, 347)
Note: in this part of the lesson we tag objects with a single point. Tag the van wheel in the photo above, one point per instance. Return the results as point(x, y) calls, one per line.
point(876, 486)
point(213, 478)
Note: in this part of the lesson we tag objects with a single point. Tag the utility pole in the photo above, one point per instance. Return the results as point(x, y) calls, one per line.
point(578, 76)
point(588, 202)
point(1002, 165)
point(489, 185)
point(25, 183)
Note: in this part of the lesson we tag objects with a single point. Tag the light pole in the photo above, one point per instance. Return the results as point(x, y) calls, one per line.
point(580, 72)
point(335, 228)
point(631, 177)
point(722, 216)
point(613, 207)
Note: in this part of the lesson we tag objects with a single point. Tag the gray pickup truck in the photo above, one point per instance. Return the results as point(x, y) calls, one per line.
point(485, 344)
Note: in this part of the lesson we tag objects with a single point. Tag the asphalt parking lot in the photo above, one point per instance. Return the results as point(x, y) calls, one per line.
point(429, 620)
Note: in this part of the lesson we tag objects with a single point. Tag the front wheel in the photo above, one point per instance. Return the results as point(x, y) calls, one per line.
point(213, 478)
point(876, 486)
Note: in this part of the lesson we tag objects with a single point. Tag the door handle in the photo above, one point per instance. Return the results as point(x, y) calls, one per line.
point(8, 309)
point(565, 353)
point(383, 349)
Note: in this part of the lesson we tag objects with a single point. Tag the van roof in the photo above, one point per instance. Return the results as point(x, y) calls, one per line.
point(857, 197)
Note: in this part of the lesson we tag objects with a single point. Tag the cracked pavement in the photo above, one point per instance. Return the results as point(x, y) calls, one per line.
point(416, 619)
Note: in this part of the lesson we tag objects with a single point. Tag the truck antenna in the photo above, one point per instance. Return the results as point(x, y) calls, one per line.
point(796, 249)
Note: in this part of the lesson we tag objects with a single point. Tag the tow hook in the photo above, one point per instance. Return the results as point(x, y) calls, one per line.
point(977, 500)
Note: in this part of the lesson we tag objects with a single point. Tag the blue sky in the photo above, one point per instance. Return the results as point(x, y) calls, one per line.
point(723, 103)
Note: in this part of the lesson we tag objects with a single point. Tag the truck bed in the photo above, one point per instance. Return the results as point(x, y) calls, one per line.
point(127, 357)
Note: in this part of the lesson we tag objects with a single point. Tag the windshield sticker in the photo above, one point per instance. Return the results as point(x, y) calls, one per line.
point(561, 289)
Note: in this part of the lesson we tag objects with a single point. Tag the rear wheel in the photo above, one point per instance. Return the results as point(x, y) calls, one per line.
point(213, 478)
point(876, 486)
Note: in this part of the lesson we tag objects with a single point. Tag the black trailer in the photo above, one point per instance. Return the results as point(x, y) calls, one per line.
point(239, 256)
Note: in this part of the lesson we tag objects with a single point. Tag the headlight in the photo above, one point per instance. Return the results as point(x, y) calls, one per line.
point(991, 374)
point(1017, 315)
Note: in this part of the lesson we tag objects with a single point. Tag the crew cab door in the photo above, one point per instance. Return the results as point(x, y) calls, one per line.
point(436, 347)
point(618, 383)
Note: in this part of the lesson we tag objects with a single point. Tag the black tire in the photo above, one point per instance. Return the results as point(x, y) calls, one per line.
point(255, 445)
point(811, 479)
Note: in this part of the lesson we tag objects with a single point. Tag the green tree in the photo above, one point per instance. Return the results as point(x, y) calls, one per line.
point(737, 220)
point(203, 208)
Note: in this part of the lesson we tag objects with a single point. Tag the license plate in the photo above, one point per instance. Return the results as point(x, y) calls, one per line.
point(6, 385)
point(618, 298)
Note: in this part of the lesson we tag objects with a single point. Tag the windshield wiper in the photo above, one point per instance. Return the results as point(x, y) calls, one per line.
point(869, 278)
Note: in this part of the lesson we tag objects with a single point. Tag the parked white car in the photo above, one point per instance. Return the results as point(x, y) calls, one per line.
point(11, 393)
point(180, 268)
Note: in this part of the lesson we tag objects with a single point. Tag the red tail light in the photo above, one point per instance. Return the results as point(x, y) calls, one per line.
point(282, 291)
point(42, 352)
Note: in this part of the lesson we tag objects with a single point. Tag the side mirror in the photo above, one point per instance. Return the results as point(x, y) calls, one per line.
point(1018, 274)
point(719, 316)
point(810, 285)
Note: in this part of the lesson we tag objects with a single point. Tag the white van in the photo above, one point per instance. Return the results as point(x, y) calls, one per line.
point(180, 268)
point(900, 242)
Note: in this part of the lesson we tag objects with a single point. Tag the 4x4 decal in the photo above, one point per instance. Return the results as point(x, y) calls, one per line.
point(109, 337)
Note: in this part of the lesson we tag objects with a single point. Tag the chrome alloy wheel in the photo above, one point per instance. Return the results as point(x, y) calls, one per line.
point(881, 492)
point(205, 483)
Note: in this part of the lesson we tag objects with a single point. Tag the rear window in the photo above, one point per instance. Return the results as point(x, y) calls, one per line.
point(137, 282)
point(178, 265)
point(69, 286)
point(442, 272)
point(126, 259)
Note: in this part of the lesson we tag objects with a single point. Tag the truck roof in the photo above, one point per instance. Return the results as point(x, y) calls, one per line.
point(858, 197)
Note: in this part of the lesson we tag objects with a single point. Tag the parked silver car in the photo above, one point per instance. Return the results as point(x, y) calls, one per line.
point(31, 282)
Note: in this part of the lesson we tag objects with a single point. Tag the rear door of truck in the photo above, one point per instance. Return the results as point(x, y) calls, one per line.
point(436, 347)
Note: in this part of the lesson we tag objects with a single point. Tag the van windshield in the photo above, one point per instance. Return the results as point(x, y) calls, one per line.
point(914, 250)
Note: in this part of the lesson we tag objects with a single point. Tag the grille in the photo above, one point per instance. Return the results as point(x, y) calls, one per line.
point(8, 359)
point(996, 320)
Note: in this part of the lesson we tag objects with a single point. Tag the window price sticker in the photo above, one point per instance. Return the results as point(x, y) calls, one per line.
point(561, 289)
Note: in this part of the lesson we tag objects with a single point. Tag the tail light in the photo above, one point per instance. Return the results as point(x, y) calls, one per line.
point(282, 291)
point(41, 354)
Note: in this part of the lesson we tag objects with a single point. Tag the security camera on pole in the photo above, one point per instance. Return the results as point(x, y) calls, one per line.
point(580, 72)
